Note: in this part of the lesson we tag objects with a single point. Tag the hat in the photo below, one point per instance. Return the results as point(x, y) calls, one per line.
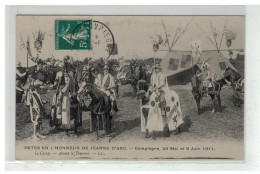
point(106, 67)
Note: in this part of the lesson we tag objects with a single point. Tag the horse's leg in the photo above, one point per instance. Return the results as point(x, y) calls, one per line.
point(92, 122)
point(110, 122)
point(154, 137)
point(213, 101)
point(98, 127)
point(146, 133)
point(198, 102)
point(76, 120)
point(219, 100)
point(197, 98)
point(117, 91)
point(76, 129)
point(104, 120)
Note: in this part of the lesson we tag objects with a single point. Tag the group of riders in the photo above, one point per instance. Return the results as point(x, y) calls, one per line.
point(72, 91)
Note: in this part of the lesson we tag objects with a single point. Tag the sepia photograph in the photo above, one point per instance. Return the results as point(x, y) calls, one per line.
point(130, 88)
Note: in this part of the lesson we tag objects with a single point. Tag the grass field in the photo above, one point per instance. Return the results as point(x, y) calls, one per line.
point(221, 126)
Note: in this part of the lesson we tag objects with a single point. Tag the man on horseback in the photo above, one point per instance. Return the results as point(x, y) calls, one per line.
point(106, 83)
point(158, 84)
point(156, 122)
point(164, 106)
point(205, 76)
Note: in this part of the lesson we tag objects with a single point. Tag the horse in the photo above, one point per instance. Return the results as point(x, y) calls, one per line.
point(237, 82)
point(100, 107)
point(143, 82)
point(128, 75)
point(198, 91)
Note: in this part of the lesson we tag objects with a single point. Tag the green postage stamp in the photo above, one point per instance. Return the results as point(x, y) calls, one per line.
point(73, 34)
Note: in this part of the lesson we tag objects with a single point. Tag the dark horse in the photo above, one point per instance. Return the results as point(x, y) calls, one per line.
point(198, 91)
point(234, 78)
point(128, 75)
point(143, 81)
point(100, 107)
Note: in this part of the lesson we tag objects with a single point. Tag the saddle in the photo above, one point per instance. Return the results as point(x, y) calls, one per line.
point(208, 88)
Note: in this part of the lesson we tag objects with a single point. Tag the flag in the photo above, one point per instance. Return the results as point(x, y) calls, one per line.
point(173, 64)
point(151, 114)
point(173, 111)
point(196, 48)
point(186, 61)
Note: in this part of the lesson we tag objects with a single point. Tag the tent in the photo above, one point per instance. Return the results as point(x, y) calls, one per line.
point(178, 65)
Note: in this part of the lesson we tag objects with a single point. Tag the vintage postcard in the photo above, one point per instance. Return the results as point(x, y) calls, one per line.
point(130, 88)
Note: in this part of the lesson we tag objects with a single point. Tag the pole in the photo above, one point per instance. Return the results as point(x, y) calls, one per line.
point(154, 58)
point(168, 43)
point(223, 34)
point(211, 26)
point(27, 59)
point(207, 35)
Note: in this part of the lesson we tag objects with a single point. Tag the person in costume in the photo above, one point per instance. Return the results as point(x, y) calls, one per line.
point(158, 82)
point(36, 112)
point(60, 115)
point(106, 83)
point(206, 79)
point(163, 110)
point(158, 89)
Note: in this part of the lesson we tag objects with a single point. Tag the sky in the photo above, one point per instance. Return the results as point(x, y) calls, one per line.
point(131, 34)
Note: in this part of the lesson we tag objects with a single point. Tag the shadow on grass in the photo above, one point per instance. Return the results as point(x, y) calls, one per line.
point(185, 126)
point(122, 126)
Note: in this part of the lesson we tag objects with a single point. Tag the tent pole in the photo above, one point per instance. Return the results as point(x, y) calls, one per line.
point(154, 58)
point(192, 65)
point(27, 59)
point(168, 43)
point(223, 34)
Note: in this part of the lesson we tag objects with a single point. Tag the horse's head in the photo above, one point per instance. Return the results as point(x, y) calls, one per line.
point(120, 76)
point(231, 75)
point(88, 77)
point(144, 97)
point(227, 74)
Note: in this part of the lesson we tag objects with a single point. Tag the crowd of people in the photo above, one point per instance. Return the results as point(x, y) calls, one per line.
point(163, 104)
